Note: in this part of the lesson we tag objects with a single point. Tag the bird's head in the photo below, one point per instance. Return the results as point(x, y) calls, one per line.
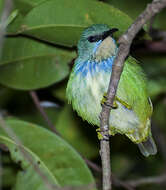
point(97, 43)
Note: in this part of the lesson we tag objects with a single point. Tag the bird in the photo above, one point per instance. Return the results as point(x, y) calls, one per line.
point(88, 83)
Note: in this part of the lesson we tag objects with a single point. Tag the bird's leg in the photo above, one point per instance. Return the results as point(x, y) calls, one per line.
point(114, 106)
point(100, 136)
point(125, 104)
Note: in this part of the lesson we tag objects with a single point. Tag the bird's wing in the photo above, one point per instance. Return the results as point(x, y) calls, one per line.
point(132, 89)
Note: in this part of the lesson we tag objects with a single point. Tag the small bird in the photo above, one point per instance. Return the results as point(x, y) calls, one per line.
point(88, 82)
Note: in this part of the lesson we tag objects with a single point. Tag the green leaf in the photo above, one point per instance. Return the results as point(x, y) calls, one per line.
point(56, 159)
point(79, 134)
point(15, 25)
point(134, 8)
point(64, 21)
point(29, 64)
point(26, 5)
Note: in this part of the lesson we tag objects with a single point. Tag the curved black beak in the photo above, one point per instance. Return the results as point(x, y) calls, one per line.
point(109, 33)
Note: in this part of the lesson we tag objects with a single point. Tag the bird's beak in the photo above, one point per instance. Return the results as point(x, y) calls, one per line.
point(109, 32)
point(113, 30)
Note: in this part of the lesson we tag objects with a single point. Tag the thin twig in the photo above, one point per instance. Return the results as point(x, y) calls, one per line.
point(93, 166)
point(149, 47)
point(115, 181)
point(158, 34)
point(124, 45)
point(41, 110)
point(119, 183)
point(148, 180)
point(156, 46)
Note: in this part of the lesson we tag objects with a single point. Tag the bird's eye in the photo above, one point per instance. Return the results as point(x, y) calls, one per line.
point(94, 38)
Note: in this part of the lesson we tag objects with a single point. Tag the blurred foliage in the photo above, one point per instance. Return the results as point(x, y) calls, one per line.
point(38, 53)
point(133, 9)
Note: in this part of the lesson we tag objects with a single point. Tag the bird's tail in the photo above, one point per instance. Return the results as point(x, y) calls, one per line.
point(148, 147)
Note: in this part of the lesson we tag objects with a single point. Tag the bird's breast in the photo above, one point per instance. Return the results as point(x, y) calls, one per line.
point(93, 66)
point(89, 84)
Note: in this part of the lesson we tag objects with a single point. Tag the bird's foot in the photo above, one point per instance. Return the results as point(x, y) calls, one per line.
point(125, 104)
point(104, 102)
point(101, 136)
point(115, 105)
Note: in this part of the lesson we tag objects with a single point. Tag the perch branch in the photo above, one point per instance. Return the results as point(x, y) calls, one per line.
point(124, 45)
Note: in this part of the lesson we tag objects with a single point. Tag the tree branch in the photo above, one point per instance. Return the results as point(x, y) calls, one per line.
point(42, 112)
point(124, 45)
point(148, 180)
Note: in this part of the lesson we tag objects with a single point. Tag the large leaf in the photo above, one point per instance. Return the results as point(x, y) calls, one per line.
point(29, 64)
point(55, 158)
point(26, 5)
point(63, 21)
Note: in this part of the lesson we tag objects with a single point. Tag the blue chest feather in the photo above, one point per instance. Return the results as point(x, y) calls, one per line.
point(93, 66)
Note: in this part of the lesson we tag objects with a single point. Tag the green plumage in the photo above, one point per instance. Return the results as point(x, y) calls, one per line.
point(89, 81)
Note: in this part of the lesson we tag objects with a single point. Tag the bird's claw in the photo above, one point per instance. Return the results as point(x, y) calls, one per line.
point(125, 104)
point(100, 136)
point(115, 105)
point(104, 102)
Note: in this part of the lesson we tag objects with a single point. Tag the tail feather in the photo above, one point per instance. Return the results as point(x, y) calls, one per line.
point(148, 147)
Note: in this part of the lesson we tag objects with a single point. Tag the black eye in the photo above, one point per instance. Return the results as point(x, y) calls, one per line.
point(94, 38)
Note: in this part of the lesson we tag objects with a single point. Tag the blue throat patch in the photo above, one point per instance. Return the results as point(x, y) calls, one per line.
point(93, 67)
